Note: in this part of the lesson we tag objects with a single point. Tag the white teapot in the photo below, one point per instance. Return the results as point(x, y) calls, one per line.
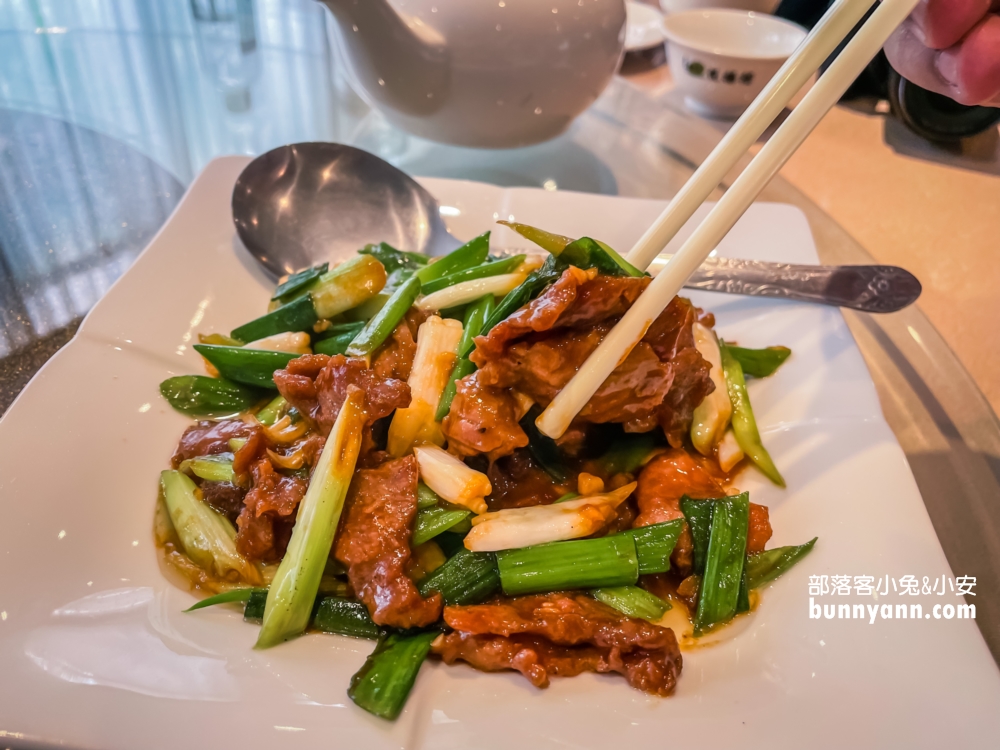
point(482, 73)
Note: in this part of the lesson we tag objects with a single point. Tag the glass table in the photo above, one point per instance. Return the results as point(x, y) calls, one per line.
point(109, 109)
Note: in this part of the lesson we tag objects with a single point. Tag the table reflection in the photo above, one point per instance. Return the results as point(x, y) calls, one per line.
point(76, 208)
point(112, 107)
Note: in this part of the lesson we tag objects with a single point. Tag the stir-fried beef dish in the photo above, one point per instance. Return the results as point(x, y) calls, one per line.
point(367, 461)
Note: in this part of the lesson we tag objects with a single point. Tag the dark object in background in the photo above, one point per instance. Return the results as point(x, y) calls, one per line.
point(638, 61)
point(934, 116)
point(929, 115)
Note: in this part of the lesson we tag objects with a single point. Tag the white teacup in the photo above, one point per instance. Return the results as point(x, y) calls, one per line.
point(721, 59)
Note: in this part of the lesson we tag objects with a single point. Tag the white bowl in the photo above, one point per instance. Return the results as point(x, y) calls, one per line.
point(721, 59)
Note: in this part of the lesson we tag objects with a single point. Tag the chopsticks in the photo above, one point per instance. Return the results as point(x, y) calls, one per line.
point(789, 136)
point(831, 30)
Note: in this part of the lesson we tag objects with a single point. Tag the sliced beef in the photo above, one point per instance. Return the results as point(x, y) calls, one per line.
point(317, 387)
point(482, 420)
point(273, 492)
point(690, 385)
point(373, 541)
point(672, 338)
point(670, 476)
point(578, 299)
point(272, 496)
point(249, 452)
point(255, 535)
point(561, 634)
point(519, 482)
point(224, 497)
point(662, 484)
point(542, 364)
point(760, 529)
point(633, 393)
point(209, 438)
point(653, 671)
point(671, 332)
point(539, 348)
point(564, 618)
point(394, 359)
point(297, 383)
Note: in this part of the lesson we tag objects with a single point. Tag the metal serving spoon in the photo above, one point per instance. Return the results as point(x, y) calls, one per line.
point(303, 204)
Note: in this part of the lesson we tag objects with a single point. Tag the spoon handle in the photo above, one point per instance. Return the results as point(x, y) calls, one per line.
point(876, 289)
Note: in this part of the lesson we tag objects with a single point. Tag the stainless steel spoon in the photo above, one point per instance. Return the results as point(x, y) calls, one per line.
point(306, 203)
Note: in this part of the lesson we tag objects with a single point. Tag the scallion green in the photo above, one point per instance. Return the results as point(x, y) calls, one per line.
point(342, 616)
point(654, 544)
point(271, 413)
point(380, 327)
point(472, 253)
point(466, 578)
point(299, 315)
point(217, 468)
point(233, 595)
point(633, 601)
point(743, 420)
point(760, 363)
point(493, 268)
point(384, 682)
point(250, 366)
point(764, 567)
point(394, 259)
point(698, 514)
point(580, 563)
point(472, 325)
point(718, 594)
point(542, 447)
point(432, 521)
point(298, 282)
point(209, 398)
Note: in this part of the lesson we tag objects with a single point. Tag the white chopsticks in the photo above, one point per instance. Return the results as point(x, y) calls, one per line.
point(834, 26)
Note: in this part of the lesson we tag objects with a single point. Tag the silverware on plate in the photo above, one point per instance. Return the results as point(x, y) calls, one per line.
point(306, 203)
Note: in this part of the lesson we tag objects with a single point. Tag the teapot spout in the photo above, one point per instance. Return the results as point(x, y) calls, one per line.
point(396, 61)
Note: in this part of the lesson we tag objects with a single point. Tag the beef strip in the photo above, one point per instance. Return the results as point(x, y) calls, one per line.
point(667, 478)
point(394, 359)
point(662, 484)
point(373, 541)
point(690, 385)
point(539, 348)
point(316, 385)
point(297, 383)
point(482, 419)
point(519, 482)
point(578, 299)
point(653, 671)
point(561, 634)
point(271, 497)
point(670, 476)
point(760, 529)
point(223, 497)
point(209, 438)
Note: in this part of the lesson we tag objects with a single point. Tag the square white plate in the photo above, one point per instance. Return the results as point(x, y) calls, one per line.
point(96, 652)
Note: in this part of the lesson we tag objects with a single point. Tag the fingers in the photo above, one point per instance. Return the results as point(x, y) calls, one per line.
point(942, 23)
point(971, 69)
point(968, 72)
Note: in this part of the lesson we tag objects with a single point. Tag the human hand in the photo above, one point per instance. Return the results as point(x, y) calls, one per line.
point(951, 47)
